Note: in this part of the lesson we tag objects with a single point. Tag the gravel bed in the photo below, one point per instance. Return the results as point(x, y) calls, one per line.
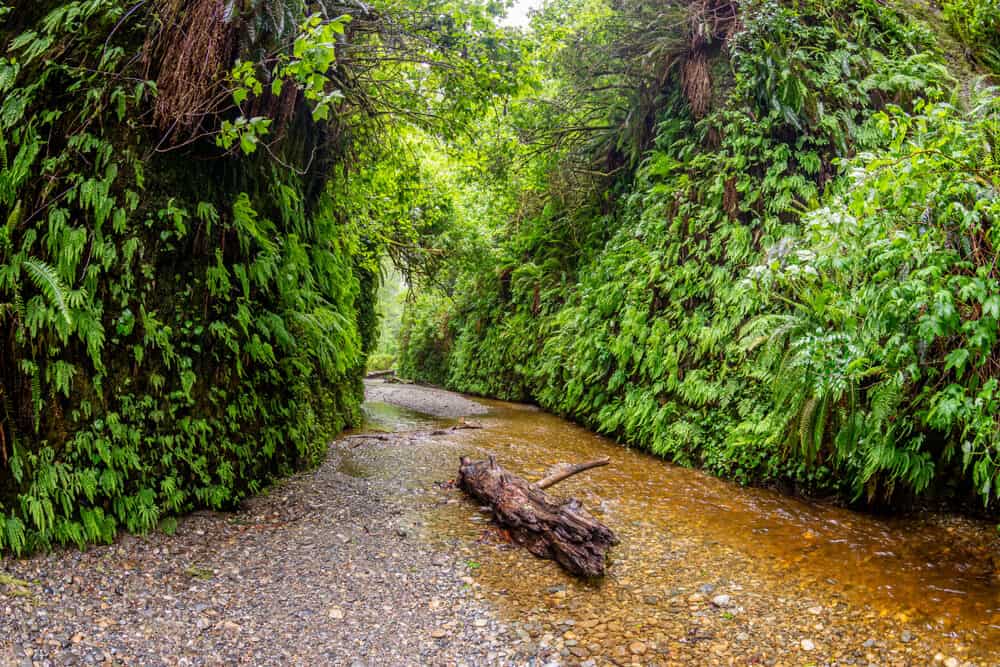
point(318, 571)
point(428, 400)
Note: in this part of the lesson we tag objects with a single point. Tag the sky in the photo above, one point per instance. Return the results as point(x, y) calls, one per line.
point(518, 13)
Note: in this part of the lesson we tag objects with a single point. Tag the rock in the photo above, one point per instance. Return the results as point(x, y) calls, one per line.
point(651, 599)
point(696, 597)
point(439, 633)
point(951, 662)
point(742, 637)
point(722, 601)
point(807, 645)
point(869, 643)
point(706, 588)
point(815, 611)
point(336, 613)
point(907, 637)
point(637, 648)
point(480, 622)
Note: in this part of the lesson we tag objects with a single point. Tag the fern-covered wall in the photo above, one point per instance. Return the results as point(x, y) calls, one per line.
point(783, 287)
point(179, 323)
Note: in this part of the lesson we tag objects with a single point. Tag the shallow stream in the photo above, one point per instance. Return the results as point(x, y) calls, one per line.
point(831, 583)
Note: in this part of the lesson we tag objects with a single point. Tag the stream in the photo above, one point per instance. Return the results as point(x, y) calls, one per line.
point(705, 567)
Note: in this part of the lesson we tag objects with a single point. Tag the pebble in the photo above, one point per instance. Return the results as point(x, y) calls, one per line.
point(637, 648)
point(722, 601)
point(807, 645)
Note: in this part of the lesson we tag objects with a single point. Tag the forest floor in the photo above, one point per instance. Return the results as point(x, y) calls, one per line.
point(373, 559)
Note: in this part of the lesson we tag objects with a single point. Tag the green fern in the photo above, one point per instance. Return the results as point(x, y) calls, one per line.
point(46, 279)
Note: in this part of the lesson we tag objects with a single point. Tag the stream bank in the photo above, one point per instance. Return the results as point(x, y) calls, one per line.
point(372, 560)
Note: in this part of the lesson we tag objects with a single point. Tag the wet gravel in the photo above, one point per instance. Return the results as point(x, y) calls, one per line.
point(321, 570)
point(427, 400)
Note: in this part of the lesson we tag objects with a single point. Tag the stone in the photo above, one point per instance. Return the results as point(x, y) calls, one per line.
point(951, 662)
point(808, 645)
point(722, 601)
point(815, 611)
point(637, 648)
point(336, 613)
point(907, 637)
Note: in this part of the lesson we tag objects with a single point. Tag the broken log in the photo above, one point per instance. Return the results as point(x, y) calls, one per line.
point(559, 530)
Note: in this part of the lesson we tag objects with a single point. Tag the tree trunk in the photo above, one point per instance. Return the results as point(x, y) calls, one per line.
point(558, 530)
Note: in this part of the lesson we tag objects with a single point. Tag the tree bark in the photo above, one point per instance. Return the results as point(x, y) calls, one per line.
point(557, 530)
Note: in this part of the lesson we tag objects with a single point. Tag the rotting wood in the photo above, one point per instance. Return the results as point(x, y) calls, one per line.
point(560, 530)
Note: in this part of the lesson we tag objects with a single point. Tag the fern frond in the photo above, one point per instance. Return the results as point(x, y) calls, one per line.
point(46, 279)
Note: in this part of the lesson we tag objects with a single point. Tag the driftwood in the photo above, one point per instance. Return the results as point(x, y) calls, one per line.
point(558, 530)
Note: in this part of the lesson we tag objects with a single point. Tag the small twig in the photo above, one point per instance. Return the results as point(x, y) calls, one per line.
point(569, 471)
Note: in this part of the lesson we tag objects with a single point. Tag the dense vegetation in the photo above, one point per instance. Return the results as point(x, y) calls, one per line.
point(189, 253)
point(756, 237)
point(753, 236)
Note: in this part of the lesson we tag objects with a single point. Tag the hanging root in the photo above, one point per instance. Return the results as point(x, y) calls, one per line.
point(191, 56)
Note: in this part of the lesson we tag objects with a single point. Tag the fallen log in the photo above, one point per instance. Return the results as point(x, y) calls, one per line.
point(559, 530)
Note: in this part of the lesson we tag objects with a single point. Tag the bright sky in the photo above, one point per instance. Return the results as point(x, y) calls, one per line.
point(518, 14)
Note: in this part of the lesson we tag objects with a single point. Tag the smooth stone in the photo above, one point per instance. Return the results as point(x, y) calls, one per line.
point(637, 648)
point(808, 645)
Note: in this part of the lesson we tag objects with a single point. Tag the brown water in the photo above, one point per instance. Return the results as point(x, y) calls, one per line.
point(795, 570)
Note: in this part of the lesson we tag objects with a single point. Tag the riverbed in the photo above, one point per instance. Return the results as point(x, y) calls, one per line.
point(375, 558)
point(706, 572)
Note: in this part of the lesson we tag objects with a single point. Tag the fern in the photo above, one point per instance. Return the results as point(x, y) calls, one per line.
point(47, 281)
